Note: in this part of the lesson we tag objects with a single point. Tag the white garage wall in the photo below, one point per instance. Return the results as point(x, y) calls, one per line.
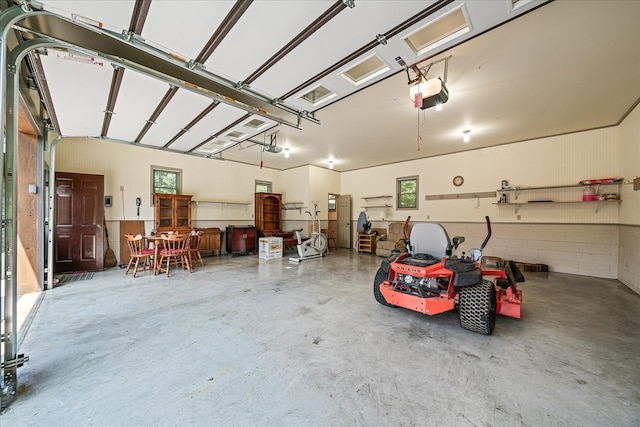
point(558, 160)
point(308, 184)
point(629, 242)
point(570, 238)
point(130, 166)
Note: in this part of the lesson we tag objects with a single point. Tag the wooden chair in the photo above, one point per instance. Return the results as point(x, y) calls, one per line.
point(139, 251)
point(194, 247)
point(332, 243)
point(175, 247)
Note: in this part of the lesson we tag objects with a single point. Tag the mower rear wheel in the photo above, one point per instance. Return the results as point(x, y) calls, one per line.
point(381, 276)
point(477, 307)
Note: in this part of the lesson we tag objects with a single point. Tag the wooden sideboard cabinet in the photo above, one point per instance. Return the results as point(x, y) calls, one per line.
point(241, 239)
point(210, 240)
point(172, 212)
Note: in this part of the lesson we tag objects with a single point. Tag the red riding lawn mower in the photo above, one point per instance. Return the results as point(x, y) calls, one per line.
point(429, 280)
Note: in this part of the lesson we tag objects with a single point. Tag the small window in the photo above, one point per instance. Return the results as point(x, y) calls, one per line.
point(263, 187)
point(332, 202)
point(407, 192)
point(165, 180)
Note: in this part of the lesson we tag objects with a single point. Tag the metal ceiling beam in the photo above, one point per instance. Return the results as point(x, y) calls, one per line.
point(138, 17)
point(156, 113)
point(361, 51)
point(192, 123)
point(327, 16)
point(212, 137)
point(135, 53)
point(228, 22)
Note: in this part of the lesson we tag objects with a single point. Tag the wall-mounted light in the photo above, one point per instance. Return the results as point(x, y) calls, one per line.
point(467, 136)
point(439, 107)
point(286, 152)
point(330, 164)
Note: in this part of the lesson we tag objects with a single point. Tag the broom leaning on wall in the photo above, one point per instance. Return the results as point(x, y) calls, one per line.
point(109, 256)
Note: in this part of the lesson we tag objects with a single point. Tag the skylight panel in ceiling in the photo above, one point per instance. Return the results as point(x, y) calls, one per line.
point(214, 146)
point(515, 4)
point(255, 124)
point(318, 95)
point(212, 124)
point(365, 70)
point(437, 32)
point(236, 134)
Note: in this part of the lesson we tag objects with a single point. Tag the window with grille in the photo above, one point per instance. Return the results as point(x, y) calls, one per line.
point(407, 192)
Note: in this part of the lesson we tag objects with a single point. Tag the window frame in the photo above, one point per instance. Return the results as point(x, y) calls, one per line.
point(267, 184)
point(399, 195)
point(178, 173)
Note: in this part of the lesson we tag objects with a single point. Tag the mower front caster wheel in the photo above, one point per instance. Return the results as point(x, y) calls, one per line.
point(381, 276)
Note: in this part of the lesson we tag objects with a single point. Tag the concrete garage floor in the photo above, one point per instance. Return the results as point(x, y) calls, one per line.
point(249, 342)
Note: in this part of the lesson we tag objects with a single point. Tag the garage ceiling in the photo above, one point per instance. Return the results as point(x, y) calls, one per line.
point(515, 70)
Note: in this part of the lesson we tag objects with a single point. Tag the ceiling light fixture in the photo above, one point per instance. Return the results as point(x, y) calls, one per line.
point(467, 136)
point(426, 92)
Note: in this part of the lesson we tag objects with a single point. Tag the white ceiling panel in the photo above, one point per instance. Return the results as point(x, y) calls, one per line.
point(239, 55)
point(138, 97)
point(184, 27)
point(111, 14)
point(335, 40)
point(511, 81)
point(79, 101)
point(184, 106)
point(210, 125)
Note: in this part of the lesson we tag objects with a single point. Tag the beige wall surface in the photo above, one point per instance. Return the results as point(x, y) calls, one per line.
point(561, 160)
point(629, 134)
point(579, 238)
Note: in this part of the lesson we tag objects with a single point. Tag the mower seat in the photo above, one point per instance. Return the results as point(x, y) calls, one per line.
point(429, 238)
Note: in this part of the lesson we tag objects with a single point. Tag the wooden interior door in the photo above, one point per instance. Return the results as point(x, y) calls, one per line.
point(78, 232)
point(344, 221)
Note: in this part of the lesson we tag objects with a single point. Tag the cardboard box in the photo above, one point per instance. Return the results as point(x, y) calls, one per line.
point(270, 247)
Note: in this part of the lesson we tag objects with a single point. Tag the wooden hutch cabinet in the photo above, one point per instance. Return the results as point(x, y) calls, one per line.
point(172, 212)
point(268, 213)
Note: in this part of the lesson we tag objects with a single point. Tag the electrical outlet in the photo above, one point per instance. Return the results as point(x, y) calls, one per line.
point(122, 188)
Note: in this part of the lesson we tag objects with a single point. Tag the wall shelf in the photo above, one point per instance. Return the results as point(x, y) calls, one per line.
point(291, 206)
point(221, 202)
point(384, 206)
point(598, 203)
point(376, 197)
point(517, 192)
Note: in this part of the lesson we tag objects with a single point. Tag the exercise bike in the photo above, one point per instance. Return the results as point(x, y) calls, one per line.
point(316, 245)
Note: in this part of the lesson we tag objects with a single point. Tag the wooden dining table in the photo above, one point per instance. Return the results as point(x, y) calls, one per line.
point(156, 239)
